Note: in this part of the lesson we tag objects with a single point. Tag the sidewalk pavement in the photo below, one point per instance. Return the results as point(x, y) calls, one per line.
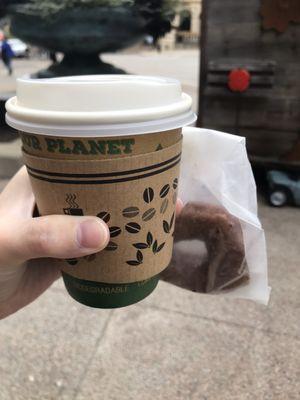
point(173, 345)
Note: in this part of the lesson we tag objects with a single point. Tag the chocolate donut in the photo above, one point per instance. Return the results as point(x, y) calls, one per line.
point(223, 265)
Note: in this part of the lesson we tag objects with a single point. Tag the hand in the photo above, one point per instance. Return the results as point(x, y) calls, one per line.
point(24, 238)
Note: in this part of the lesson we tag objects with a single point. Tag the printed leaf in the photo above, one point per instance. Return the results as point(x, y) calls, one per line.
point(133, 262)
point(166, 226)
point(154, 247)
point(139, 256)
point(160, 247)
point(149, 239)
point(140, 246)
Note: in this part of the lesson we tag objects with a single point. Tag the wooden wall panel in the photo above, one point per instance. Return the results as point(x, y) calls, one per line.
point(269, 117)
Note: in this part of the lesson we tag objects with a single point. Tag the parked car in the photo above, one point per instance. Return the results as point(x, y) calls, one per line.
point(19, 48)
point(284, 188)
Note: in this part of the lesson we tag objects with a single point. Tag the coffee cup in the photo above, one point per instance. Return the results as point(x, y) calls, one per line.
point(107, 146)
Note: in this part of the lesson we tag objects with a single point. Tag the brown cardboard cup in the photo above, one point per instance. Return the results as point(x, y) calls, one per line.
point(135, 194)
point(107, 146)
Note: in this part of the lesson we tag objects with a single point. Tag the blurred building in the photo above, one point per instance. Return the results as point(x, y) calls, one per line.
point(186, 24)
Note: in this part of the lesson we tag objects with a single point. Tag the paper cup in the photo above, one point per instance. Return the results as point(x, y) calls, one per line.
point(93, 166)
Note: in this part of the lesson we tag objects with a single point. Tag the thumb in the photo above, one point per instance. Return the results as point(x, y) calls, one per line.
point(58, 236)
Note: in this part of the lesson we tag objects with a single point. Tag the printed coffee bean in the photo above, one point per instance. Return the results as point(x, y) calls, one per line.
point(132, 227)
point(172, 221)
point(149, 214)
point(105, 216)
point(130, 212)
point(91, 257)
point(111, 246)
point(175, 183)
point(114, 231)
point(174, 197)
point(72, 261)
point(164, 191)
point(164, 206)
point(148, 195)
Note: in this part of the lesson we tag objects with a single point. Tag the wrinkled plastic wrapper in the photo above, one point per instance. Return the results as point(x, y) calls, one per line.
point(219, 241)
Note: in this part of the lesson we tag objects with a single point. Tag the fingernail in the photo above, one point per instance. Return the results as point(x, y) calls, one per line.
point(92, 234)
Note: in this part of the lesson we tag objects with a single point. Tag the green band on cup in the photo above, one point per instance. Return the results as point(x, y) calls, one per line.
point(108, 295)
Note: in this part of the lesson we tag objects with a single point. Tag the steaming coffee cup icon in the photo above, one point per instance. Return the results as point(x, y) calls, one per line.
point(74, 208)
point(73, 211)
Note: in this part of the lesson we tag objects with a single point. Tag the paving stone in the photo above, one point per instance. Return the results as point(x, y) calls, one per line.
point(151, 354)
point(46, 347)
point(268, 370)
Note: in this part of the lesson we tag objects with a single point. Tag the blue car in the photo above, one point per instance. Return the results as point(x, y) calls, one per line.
point(284, 188)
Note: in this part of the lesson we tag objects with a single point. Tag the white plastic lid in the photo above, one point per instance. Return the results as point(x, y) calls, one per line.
point(99, 105)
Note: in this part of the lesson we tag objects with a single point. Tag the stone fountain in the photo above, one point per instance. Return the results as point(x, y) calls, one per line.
point(84, 29)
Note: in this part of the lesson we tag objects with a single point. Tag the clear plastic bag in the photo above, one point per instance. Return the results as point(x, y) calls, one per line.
point(219, 242)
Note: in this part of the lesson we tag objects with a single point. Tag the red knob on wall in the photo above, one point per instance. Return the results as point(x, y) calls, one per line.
point(239, 80)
